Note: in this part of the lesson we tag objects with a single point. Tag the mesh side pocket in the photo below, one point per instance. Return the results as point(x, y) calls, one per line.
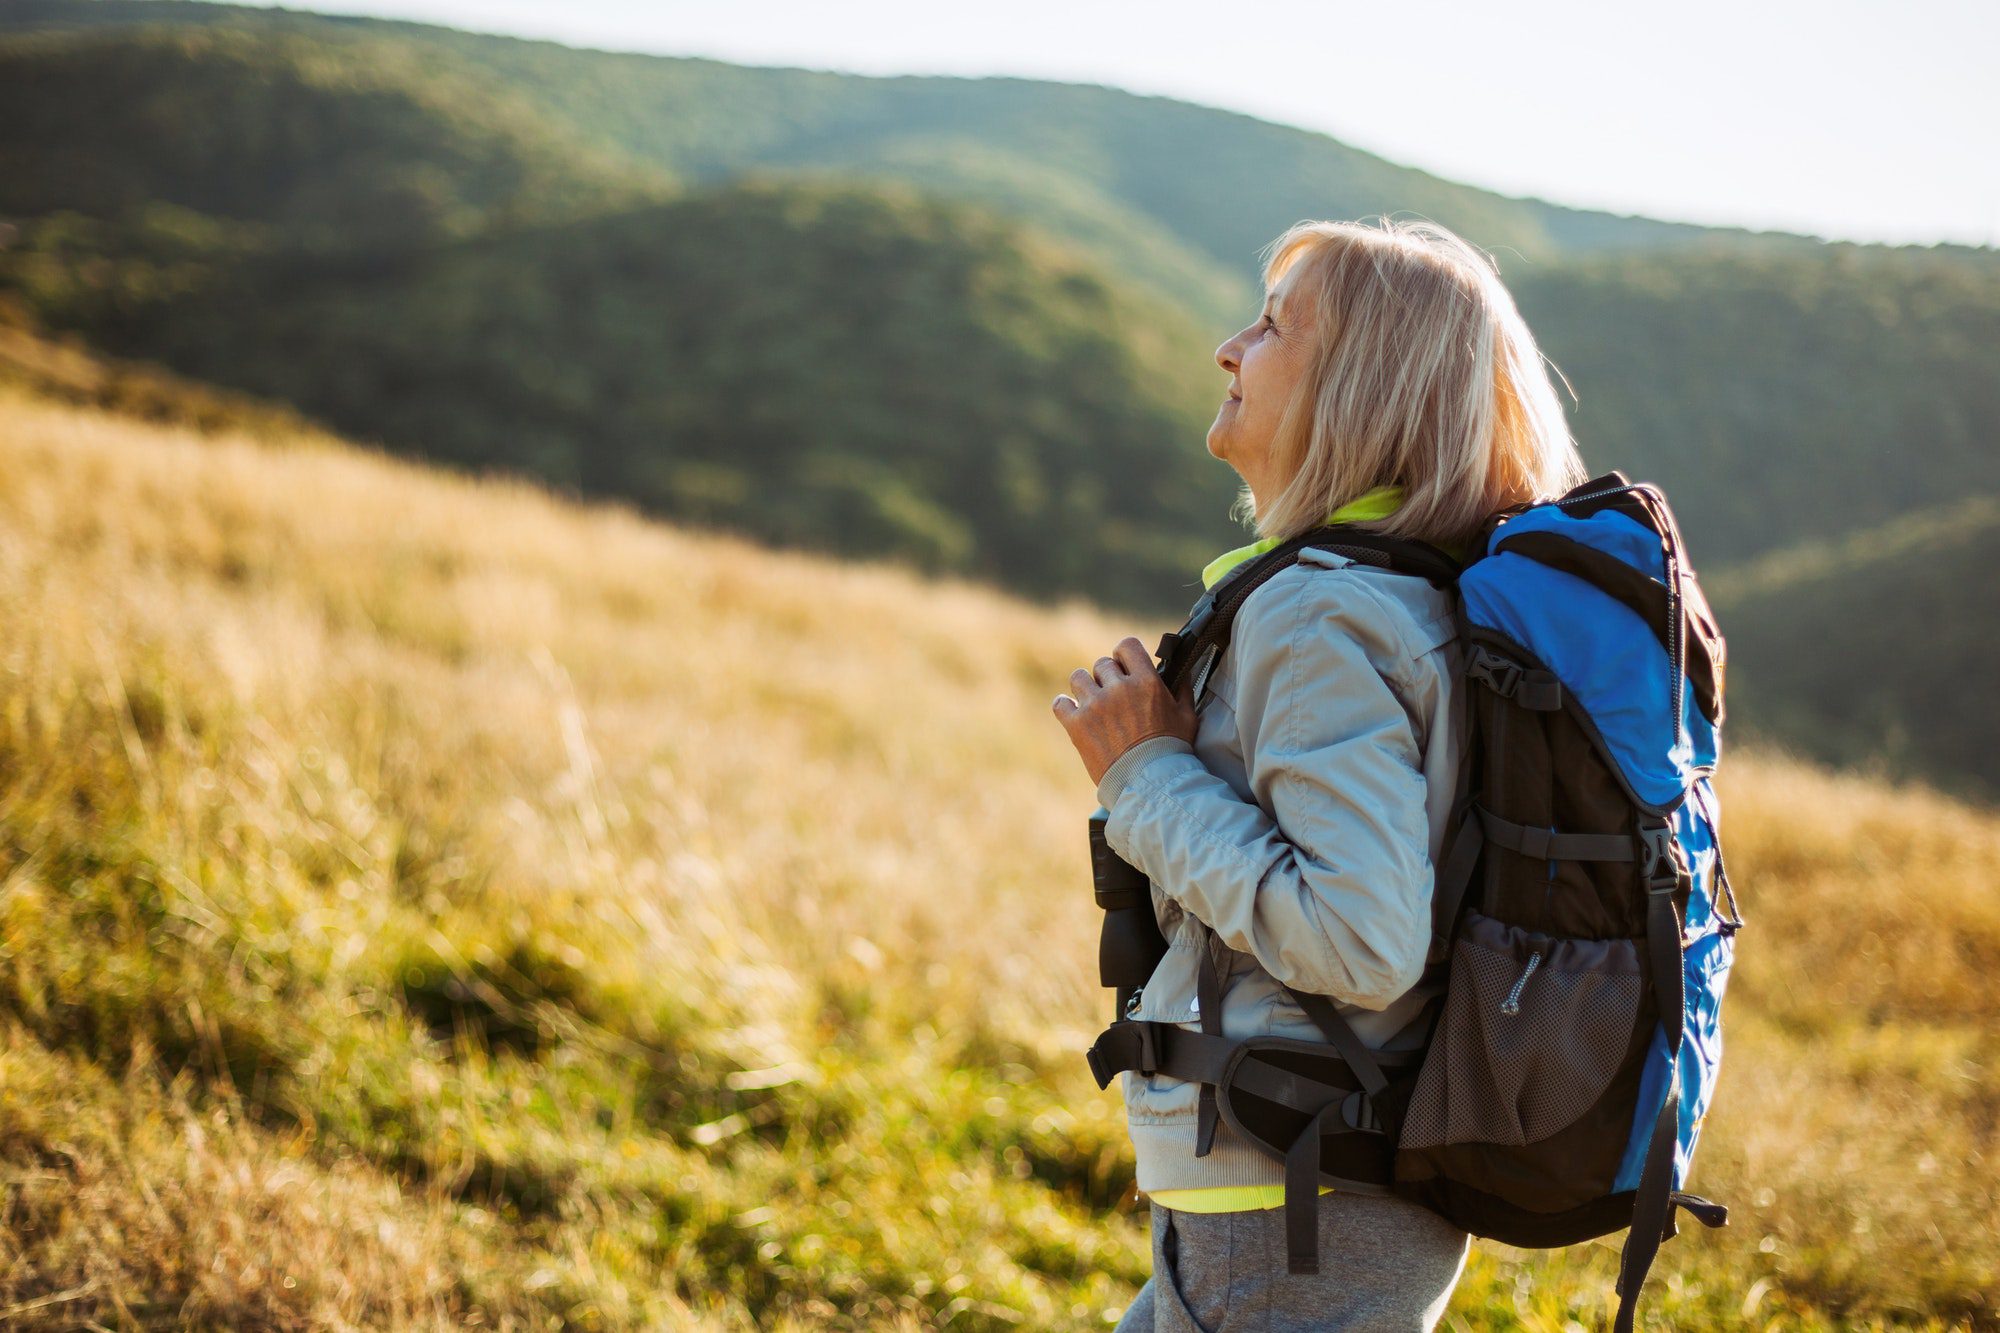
point(1533, 1031)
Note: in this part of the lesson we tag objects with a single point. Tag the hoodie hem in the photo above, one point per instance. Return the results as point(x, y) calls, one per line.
point(1164, 1153)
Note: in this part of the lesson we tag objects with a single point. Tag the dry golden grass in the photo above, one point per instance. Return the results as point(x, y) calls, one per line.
point(424, 902)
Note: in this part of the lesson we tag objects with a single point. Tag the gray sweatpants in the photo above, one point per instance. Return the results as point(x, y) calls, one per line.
point(1385, 1265)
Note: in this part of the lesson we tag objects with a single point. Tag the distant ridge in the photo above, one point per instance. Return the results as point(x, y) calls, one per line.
point(1877, 647)
point(337, 144)
point(1188, 186)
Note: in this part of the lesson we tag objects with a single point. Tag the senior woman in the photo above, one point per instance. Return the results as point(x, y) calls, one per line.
point(1292, 816)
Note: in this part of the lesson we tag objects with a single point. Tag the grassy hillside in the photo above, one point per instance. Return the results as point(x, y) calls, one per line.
point(323, 144)
point(428, 903)
point(1904, 623)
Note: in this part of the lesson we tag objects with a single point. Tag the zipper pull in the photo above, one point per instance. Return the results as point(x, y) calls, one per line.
point(1512, 1004)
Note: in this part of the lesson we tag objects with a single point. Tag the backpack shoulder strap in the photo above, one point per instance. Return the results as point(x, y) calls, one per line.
point(1195, 646)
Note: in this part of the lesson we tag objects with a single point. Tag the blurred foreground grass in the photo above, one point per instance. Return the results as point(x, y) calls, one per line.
point(427, 904)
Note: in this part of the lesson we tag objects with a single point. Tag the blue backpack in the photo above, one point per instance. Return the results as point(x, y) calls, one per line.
point(1573, 1047)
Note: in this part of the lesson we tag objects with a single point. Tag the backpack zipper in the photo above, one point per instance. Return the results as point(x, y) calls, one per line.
point(1512, 1004)
point(1592, 495)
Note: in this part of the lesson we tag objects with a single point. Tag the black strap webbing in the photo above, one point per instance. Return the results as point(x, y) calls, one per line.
point(1302, 1192)
point(1209, 990)
point(1213, 616)
point(1161, 1048)
point(1706, 1211)
point(1652, 1208)
point(1548, 844)
point(1453, 876)
point(1158, 1048)
point(1533, 688)
point(1345, 1040)
point(1154, 1047)
point(1302, 1162)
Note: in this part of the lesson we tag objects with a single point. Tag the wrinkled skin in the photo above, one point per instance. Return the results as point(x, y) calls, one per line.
point(1119, 702)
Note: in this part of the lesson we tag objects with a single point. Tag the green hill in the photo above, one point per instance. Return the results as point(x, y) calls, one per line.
point(853, 370)
point(325, 144)
point(1772, 384)
point(1170, 193)
point(845, 368)
point(1876, 648)
point(1780, 397)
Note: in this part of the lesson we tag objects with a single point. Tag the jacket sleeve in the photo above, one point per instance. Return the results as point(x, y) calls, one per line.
point(1325, 878)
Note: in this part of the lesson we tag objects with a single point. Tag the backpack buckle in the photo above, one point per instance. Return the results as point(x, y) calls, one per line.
point(1540, 691)
point(1128, 1044)
point(1658, 863)
point(1500, 674)
point(1175, 642)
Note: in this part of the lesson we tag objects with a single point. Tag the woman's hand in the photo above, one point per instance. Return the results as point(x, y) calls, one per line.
point(1120, 704)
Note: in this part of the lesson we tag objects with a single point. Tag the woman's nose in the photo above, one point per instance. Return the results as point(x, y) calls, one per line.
point(1225, 357)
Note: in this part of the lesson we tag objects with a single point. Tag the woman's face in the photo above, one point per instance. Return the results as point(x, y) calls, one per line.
point(1265, 362)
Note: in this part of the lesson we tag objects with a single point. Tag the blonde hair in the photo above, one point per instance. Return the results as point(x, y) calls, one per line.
point(1424, 376)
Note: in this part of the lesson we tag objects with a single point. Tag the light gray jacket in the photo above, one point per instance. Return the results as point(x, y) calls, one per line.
point(1302, 826)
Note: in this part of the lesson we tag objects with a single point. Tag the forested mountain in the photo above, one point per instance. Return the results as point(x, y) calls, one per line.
point(1877, 645)
point(849, 369)
point(966, 324)
point(844, 366)
point(1172, 194)
point(324, 144)
point(1781, 396)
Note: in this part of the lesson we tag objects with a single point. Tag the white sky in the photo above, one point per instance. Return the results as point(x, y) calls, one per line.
point(1849, 119)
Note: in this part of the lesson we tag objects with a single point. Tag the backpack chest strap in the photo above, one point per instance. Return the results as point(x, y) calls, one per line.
point(1547, 843)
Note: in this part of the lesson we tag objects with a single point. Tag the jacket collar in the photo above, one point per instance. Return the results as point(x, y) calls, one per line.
point(1378, 503)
